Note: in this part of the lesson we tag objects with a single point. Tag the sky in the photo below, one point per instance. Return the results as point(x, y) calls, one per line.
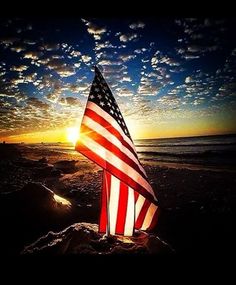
point(171, 77)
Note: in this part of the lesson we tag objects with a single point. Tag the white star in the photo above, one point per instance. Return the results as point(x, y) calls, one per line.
point(109, 104)
point(100, 96)
point(96, 89)
point(123, 123)
point(120, 116)
point(101, 103)
point(119, 121)
point(91, 96)
point(111, 111)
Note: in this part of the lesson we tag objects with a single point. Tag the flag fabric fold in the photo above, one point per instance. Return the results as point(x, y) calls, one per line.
point(127, 199)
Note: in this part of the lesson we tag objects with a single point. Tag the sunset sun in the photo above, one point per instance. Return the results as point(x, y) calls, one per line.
point(72, 134)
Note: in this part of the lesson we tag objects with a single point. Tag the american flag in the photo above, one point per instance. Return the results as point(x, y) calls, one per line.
point(128, 201)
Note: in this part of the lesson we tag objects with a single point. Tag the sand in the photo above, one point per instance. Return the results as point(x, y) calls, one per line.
point(197, 206)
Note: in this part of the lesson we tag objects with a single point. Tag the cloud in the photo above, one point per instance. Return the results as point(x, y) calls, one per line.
point(86, 58)
point(65, 71)
point(60, 67)
point(188, 79)
point(103, 45)
point(170, 101)
point(190, 56)
point(127, 57)
point(148, 87)
point(127, 79)
point(75, 53)
point(128, 37)
point(124, 92)
point(18, 48)
point(7, 41)
point(94, 30)
point(69, 101)
point(50, 46)
point(36, 103)
point(33, 55)
point(109, 62)
point(138, 25)
point(19, 68)
point(30, 42)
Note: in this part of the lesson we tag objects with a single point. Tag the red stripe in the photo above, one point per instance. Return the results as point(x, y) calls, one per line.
point(142, 214)
point(154, 220)
point(112, 148)
point(114, 171)
point(103, 213)
point(122, 208)
point(100, 120)
point(136, 194)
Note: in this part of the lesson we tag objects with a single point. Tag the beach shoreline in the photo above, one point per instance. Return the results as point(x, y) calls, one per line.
point(194, 202)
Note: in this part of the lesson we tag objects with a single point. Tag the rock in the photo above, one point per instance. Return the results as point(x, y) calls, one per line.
point(43, 160)
point(66, 166)
point(31, 212)
point(43, 171)
point(83, 238)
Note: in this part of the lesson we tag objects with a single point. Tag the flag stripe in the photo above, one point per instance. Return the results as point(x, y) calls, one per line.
point(130, 213)
point(108, 156)
point(103, 212)
point(106, 161)
point(154, 220)
point(112, 148)
point(122, 208)
point(149, 216)
point(97, 127)
point(99, 111)
point(113, 203)
point(142, 214)
point(118, 133)
point(139, 204)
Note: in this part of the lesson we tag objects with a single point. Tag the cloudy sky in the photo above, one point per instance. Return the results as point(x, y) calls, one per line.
point(170, 76)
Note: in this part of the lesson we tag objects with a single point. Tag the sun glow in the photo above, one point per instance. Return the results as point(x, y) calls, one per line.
point(72, 134)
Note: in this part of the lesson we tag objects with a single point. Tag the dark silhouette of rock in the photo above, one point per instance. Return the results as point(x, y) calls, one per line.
point(83, 238)
point(31, 212)
point(43, 160)
point(66, 166)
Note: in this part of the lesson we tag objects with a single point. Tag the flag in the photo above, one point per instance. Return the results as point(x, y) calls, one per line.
point(128, 200)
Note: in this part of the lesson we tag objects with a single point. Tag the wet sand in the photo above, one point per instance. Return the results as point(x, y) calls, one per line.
point(197, 205)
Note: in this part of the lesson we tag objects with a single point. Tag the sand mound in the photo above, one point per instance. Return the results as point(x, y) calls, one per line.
point(83, 238)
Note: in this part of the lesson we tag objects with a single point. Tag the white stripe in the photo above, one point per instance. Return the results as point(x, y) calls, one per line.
point(117, 162)
point(129, 220)
point(113, 203)
point(149, 216)
point(106, 134)
point(138, 206)
point(111, 120)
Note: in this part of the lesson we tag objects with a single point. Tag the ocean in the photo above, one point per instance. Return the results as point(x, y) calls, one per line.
point(217, 150)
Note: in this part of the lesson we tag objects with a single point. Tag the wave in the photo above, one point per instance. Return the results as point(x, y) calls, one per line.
point(207, 153)
point(184, 145)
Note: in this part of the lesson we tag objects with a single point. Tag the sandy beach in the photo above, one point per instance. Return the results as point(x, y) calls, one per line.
point(197, 205)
